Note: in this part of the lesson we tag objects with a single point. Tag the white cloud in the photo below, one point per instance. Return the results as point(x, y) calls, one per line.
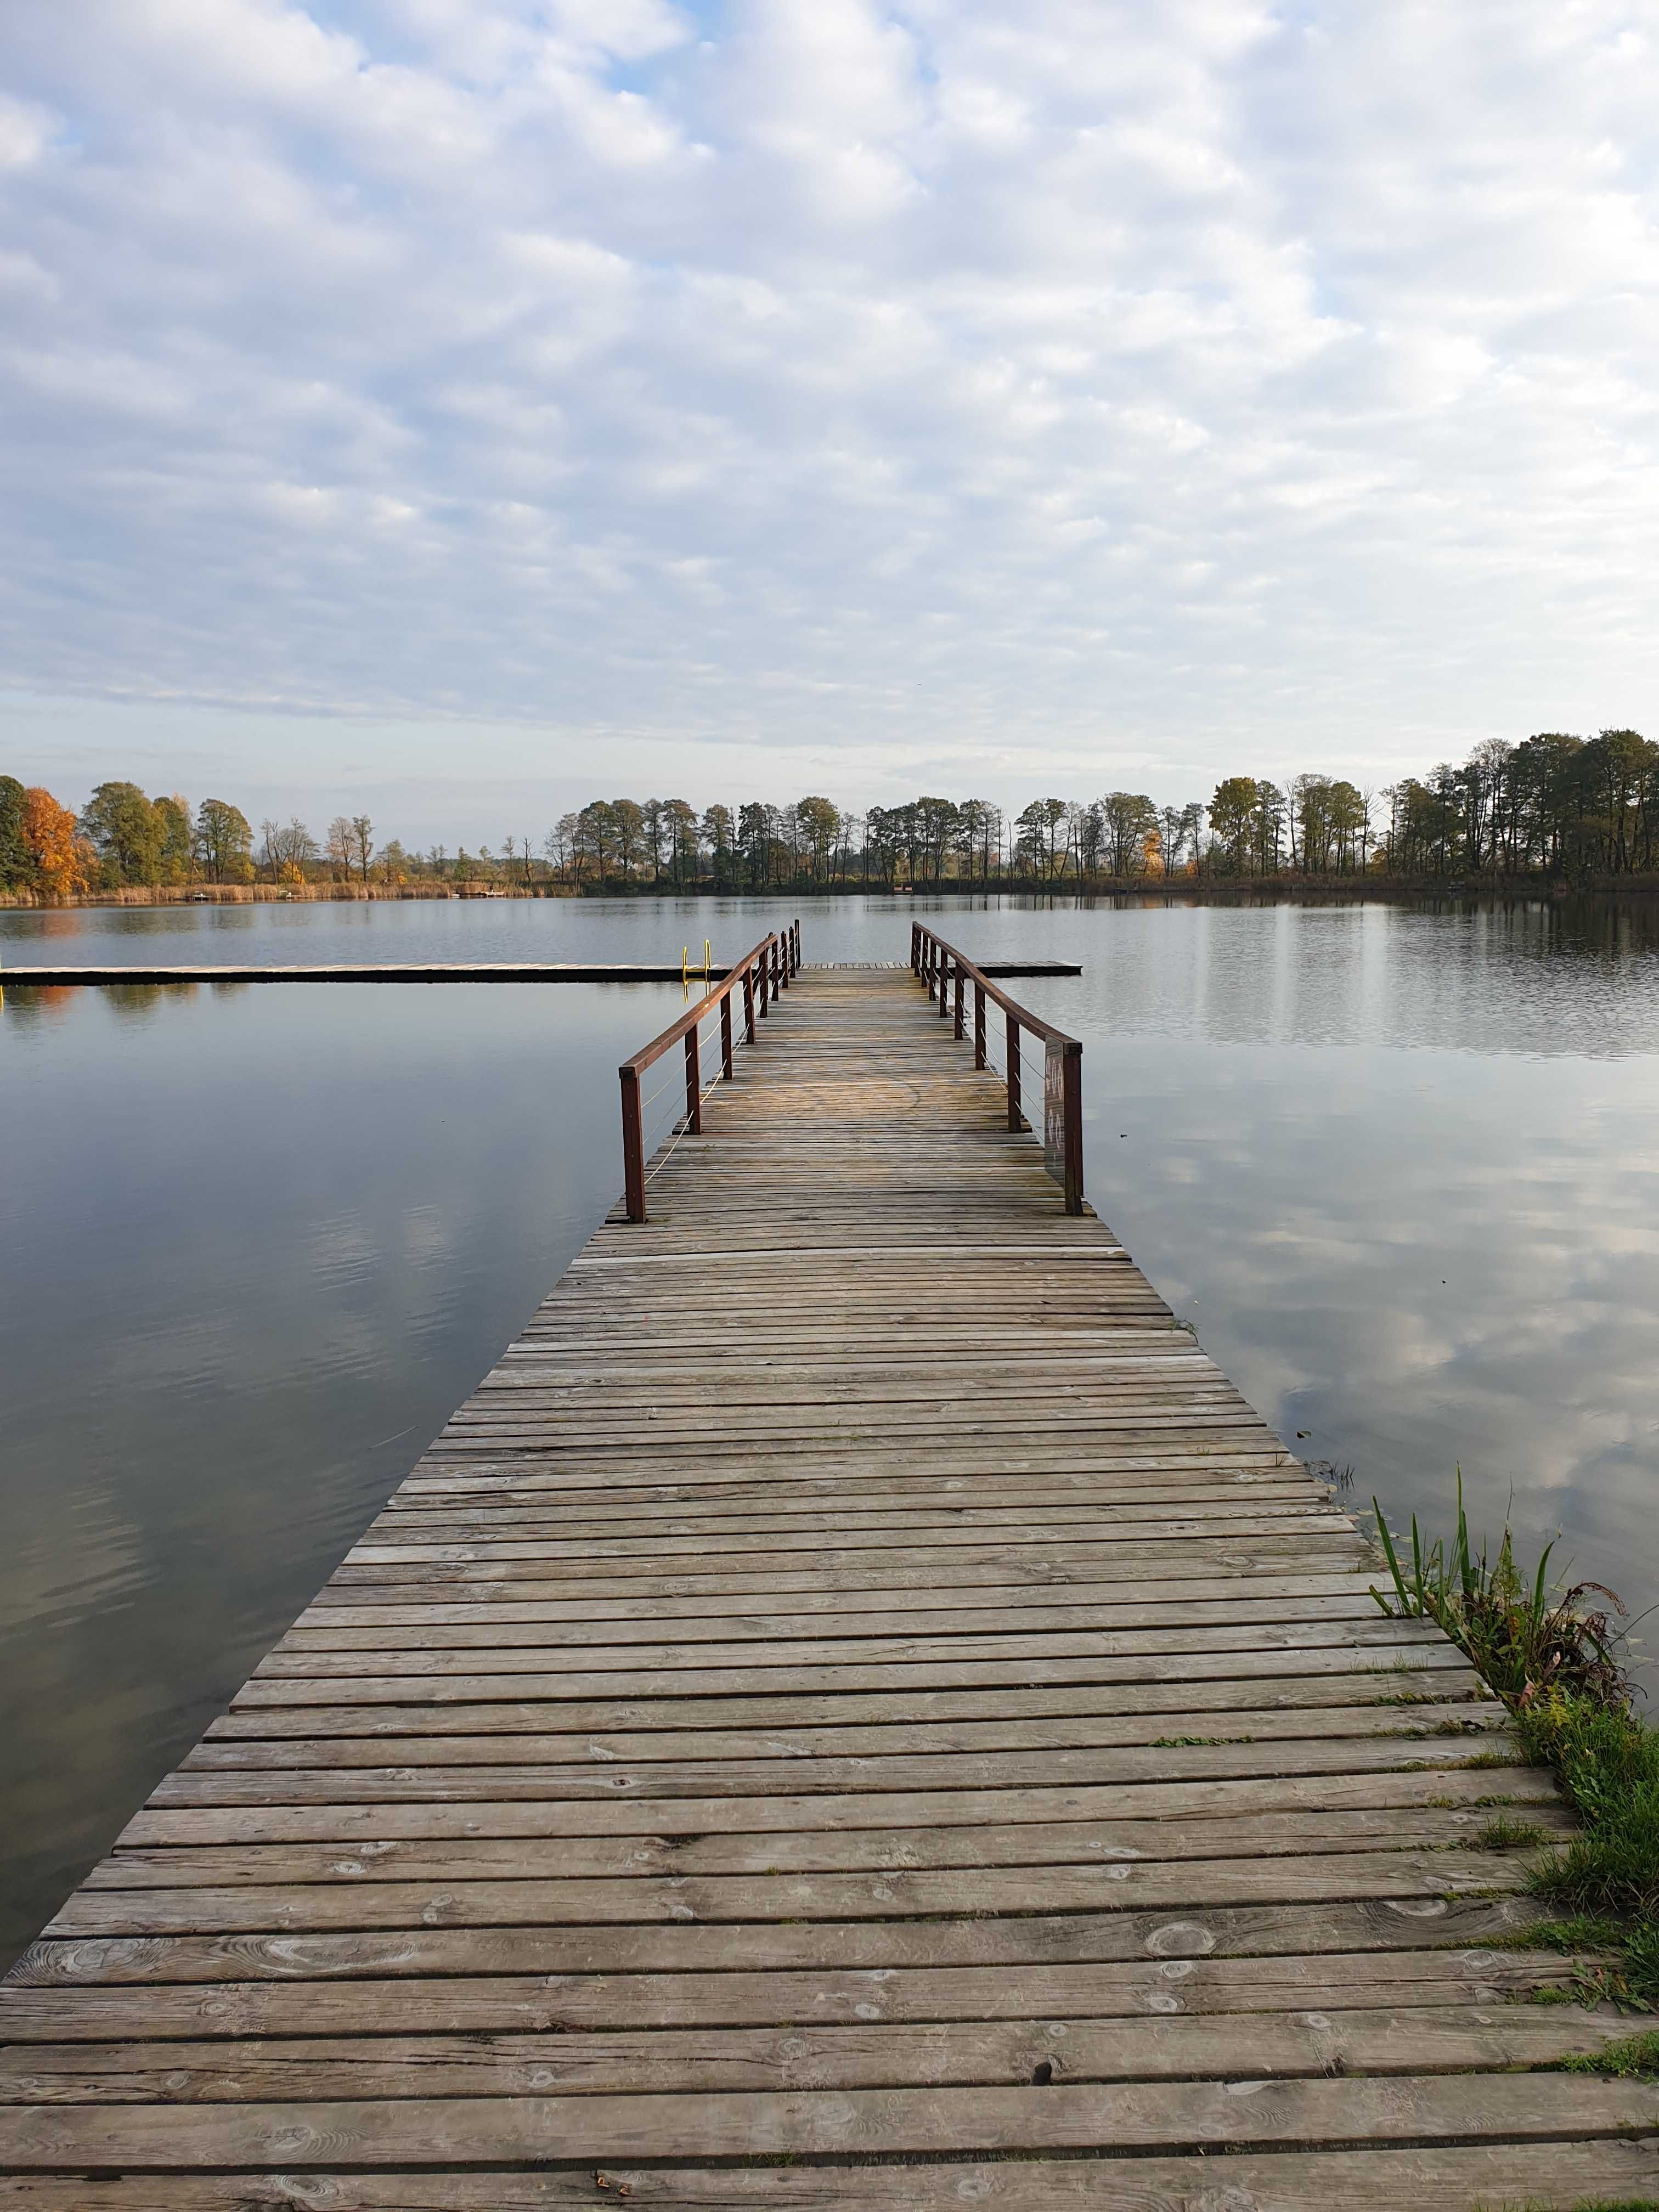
point(962, 381)
point(26, 131)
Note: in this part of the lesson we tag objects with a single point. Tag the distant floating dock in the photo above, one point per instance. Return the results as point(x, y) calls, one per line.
point(42, 976)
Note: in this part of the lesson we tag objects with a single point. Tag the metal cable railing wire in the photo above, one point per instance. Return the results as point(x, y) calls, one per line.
point(1045, 1091)
point(996, 1051)
point(676, 1084)
point(684, 1127)
point(1036, 1069)
point(676, 1119)
point(703, 1094)
point(1033, 1062)
point(669, 1083)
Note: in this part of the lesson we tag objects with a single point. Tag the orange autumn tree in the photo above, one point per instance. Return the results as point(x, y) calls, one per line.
point(54, 844)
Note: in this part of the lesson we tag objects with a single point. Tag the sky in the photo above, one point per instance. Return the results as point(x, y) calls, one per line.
point(460, 409)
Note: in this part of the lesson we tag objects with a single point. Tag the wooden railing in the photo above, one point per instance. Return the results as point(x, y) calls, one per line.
point(947, 974)
point(762, 973)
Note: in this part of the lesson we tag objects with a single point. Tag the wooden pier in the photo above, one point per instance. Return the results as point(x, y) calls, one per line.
point(856, 1710)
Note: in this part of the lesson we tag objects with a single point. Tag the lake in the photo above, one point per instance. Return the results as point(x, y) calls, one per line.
point(1396, 1165)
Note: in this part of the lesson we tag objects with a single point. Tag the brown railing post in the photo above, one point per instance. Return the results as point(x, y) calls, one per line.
point(765, 987)
point(1015, 1118)
point(726, 1036)
point(748, 1004)
point(1072, 1078)
point(693, 1082)
point(915, 948)
point(962, 985)
point(794, 943)
point(783, 957)
point(979, 1026)
point(633, 1145)
point(943, 986)
point(775, 969)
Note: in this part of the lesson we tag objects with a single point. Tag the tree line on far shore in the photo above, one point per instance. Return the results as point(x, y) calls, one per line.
point(124, 839)
point(1569, 808)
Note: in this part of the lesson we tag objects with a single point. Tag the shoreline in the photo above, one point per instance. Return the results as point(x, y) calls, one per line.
point(1223, 890)
point(155, 895)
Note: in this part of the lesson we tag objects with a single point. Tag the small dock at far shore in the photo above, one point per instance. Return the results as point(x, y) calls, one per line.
point(45, 976)
point(856, 1710)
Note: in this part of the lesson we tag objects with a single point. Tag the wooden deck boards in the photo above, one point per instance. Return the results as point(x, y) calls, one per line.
point(855, 1711)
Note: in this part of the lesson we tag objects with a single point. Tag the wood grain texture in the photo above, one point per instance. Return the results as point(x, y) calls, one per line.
point(855, 1686)
point(1467, 2178)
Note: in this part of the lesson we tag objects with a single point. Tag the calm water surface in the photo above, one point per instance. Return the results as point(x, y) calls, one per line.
point(1398, 1167)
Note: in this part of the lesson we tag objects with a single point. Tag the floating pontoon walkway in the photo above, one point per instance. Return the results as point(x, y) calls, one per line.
point(856, 1711)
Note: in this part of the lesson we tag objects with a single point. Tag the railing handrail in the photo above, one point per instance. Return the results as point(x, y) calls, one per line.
point(932, 960)
point(763, 972)
point(1047, 1030)
point(676, 1029)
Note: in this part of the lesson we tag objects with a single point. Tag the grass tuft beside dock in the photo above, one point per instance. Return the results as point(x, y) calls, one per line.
point(1552, 1657)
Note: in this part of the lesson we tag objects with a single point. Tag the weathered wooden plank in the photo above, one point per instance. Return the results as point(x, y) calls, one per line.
point(852, 1517)
point(1461, 2177)
point(386, 1677)
point(1399, 1698)
point(936, 1612)
point(906, 2123)
point(459, 1494)
point(1026, 1843)
point(1068, 1563)
point(887, 1893)
point(1419, 2040)
point(658, 1735)
point(660, 1781)
point(475, 2005)
point(878, 1947)
point(779, 1812)
point(1341, 1590)
point(539, 1648)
